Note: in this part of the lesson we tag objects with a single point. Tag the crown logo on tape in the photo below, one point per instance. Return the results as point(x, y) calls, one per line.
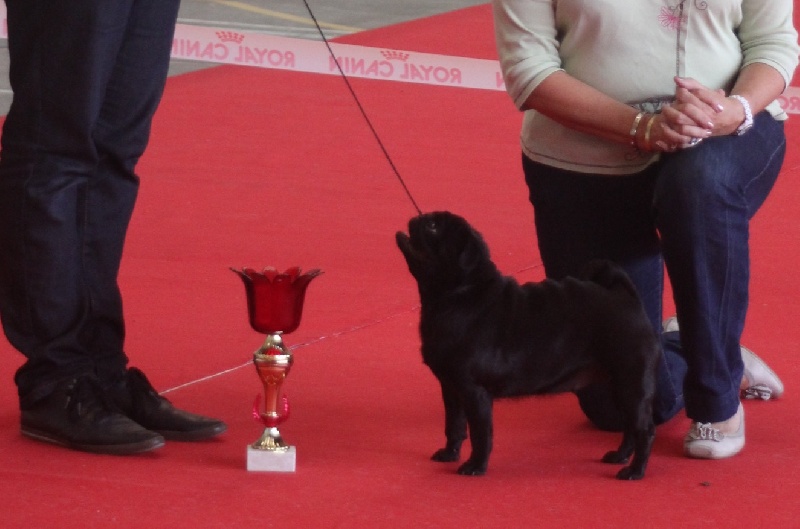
point(230, 36)
point(392, 55)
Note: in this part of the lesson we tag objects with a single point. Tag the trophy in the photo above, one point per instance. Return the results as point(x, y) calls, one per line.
point(275, 306)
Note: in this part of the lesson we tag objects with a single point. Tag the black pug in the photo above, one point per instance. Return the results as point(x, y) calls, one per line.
point(485, 336)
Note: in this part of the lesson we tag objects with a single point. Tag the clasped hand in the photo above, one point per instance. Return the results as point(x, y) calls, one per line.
point(697, 113)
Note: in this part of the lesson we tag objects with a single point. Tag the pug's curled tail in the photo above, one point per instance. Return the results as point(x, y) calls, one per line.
point(609, 275)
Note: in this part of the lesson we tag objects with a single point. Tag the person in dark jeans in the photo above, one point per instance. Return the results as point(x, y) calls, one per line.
point(87, 78)
point(651, 135)
point(666, 212)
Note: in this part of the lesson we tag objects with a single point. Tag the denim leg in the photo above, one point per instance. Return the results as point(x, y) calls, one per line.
point(62, 198)
point(704, 200)
point(121, 134)
point(580, 217)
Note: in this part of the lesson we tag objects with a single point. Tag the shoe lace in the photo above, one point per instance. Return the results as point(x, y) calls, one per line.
point(706, 432)
point(143, 396)
point(85, 396)
point(759, 391)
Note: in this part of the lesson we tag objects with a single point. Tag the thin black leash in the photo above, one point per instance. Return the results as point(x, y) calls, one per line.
point(361, 109)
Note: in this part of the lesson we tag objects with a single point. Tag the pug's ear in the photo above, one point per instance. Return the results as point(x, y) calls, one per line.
point(471, 255)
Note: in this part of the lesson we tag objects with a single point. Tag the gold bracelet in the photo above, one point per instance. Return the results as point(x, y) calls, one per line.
point(635, 127)
point(649, 126)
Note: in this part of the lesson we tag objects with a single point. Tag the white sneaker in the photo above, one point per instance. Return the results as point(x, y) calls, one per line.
point(703, 441)
point(762, 382)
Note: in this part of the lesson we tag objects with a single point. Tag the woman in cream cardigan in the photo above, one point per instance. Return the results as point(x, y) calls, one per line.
point(651, 136)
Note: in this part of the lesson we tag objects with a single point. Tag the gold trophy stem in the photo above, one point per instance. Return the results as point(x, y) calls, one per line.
point(273, 362)
point(271, 440)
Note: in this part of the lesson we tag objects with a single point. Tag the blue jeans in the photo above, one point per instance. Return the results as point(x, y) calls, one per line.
point(87, 77)
point(690, 211)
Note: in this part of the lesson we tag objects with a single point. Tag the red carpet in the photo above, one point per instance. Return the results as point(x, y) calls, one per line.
point(258, 167)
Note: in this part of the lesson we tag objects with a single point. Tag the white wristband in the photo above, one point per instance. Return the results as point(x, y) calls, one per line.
point(748, 115)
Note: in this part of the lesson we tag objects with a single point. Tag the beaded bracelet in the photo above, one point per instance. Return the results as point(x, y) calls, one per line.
point(649, 126)
point(635, 127)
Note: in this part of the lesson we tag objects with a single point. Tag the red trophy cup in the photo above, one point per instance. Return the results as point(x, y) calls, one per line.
point(275, 306)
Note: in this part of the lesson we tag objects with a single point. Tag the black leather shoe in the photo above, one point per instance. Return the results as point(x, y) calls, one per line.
point(78, 415)
point(137, 399)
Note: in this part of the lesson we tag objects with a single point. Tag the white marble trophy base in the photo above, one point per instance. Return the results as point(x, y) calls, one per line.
point(271, 460)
